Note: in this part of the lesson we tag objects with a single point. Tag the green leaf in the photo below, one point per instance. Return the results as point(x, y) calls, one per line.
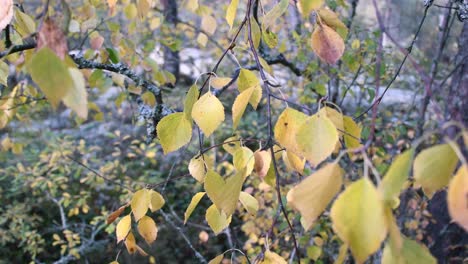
point(193, 204)
point(308, 5)
point(312, 196)
point(231, 12)
point(174, 131)
point(410, 253)
point(24, 24)
point(190, 99)
point(358, 218)
point(113, 55)
point(318, 137)
point(51, 75)
point(278, 10)
point(396, 176)
point(434, 166)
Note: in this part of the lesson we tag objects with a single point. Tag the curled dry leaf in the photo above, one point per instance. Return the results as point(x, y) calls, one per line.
point(327, 44)
point(50, 35)
point(6, 13)
point(111, 218)
point(262, 162)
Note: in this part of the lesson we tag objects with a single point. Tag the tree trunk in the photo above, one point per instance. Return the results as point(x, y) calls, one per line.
point(171, 57)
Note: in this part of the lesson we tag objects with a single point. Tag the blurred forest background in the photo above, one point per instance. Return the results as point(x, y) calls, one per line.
point(61, 175)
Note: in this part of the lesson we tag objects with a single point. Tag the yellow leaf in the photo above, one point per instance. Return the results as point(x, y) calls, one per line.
point(318, 137)
point(249, 202)
point(433, 167)
point(51, 75)
point(216, 219)
point(123, 227)
point(231, 12)
point(208, 113)
point(219, 82)
point(6, 13)
point(359, 220)
point(332, 20)
point(231, 144)
point(306, 6)
point(278, 10)
point(457, 197)
point(193, 204)
point(353, 133)
point(208, 24)
point(293, 162)
point(148, 98)
point(224, 194)
point(156, 201)
point(192, 5)
point(143, 7)
point(312, 196)
point(327, 44)
point(334, 116)
point(248, 79)
point(174, 131)
point(411, 253)
point(243, 158)
point(24, 24)
point(396, 176)
point(77, 97)
point(287, 126)
point(140, 203)
point(342, 254)
point(190, 99)
point(256, 33)
point(130, 243)
point(273, 258)
point(114, 262)
point(197, 168)
point(217, 259)
point(238, 108)
point(147, 229)
point(262, 162)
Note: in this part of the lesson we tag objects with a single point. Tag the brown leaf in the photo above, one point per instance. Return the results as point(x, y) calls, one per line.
point(327, 44)
point(114, 215)
point(50, 35)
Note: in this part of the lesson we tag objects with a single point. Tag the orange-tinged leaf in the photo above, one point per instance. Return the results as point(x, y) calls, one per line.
point(174, 131)
point(6, 13)
point(156, 201)
point(52, 36)
point(147, 229)
point(433, 167)
point(318, 137)
point(130, 243)
point(358, 218)
point(217, 259)
point(140, 203)
point(123, 227)
point(217, 219)
point(114, 215)
point(193, 204)
point(312, 196)
point(208, 113)
point(224, 193)
point(457, 197)
point(262, 162)
point(327, 44)
point(287, 127)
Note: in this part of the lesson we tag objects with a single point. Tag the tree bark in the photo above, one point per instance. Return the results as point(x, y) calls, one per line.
point(171, 57)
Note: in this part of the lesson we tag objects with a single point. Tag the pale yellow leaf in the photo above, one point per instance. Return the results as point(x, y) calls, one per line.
point(193, 204)
point(217, 259)
point(156, 201)
point(238, 108)
point(396, 176)
point(174, 131)
point(190, 99)
point(352, 136)
point(433, 167)
point(312, 196)
point(457, 197)
point(208, 24)
point(219, 82)
point(249, 202)
point(334, 116)
point(51, 75)
point(77, 97)
point(262, 162)
point(273, 258)
point(231, 144)
point(147, 229)
point(287, 127)
point(24, 24)
point(4, 72)
point(224, 193)
point(231, 12)
point(243, 158)
point(293, 162)
point(208, 113)
point(130, 243)
point(192, 5)
point(140, 203)
point(256, 33)
point(247, 79)
point(318, 137)
point(359, 220)
point(197, 168)
point(6, 13)
point(123, 227)
point(217, 219)
point(327, 44)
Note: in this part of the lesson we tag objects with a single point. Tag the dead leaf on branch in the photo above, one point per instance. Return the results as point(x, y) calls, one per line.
point(50, 35)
